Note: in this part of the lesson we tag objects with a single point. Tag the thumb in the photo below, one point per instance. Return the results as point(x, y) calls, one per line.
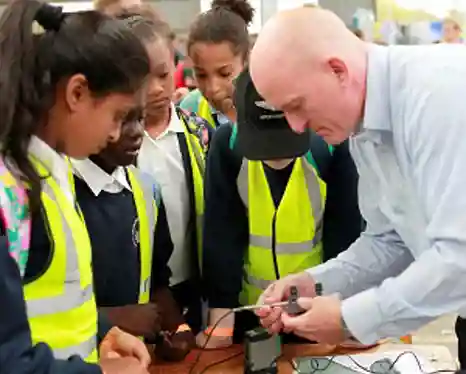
point(305, 302)
point(296, 322)
point(275, 293)
point(112, 355)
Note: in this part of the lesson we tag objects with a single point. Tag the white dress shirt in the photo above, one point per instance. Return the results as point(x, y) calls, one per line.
point(409, 267)
point(99, 180)
point(54, 162)
point(161, 158)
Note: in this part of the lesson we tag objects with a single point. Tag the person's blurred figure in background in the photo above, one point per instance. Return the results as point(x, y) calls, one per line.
point(451, 31)
point(358, 32)
point(113, 7)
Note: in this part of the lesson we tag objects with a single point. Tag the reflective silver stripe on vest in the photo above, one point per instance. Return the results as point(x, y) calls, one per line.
point(313, 190)
point(256, 282)
point(149, 200)
point(286, 248)
point(73, 296)
point(83, 350)
point(243, 182)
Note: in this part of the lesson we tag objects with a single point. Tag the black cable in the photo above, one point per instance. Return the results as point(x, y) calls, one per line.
point(213, 364)
point(314, 363)
point(209, 335)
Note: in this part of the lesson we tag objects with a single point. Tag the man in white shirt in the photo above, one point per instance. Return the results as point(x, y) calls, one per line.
point(403, 110)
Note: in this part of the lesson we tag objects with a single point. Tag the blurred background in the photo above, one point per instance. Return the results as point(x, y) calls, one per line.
point(384, 21)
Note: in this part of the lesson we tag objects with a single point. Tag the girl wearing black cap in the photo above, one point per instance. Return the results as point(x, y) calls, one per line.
point(276, 203)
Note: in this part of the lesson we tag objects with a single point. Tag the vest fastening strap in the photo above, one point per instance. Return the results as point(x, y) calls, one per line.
point(73, 296)
point(83, 350)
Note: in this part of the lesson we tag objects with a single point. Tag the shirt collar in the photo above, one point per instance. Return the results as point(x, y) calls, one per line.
point(53, 161)
point(99, 180)
point(175, 125)
point(221, 118)
point(377, 106)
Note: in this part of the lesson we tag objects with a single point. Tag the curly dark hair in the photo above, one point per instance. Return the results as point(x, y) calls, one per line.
point(226, 21)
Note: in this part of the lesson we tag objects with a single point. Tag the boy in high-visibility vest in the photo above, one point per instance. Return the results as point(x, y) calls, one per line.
point(131, 243)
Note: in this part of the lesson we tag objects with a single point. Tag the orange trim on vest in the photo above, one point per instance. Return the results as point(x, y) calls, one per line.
point(221, 332)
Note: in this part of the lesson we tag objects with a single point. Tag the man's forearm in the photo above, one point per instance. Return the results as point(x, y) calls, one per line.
point(433, 285)
point(368, 261)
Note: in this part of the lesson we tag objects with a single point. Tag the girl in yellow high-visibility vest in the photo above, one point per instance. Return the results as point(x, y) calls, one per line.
point(64, 90)
point(218, 46)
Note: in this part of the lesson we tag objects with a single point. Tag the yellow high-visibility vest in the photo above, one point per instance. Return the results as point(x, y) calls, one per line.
point(285, 240)
point(205, 112)
point(60, 303)
point(147, 214)
point(197, 160)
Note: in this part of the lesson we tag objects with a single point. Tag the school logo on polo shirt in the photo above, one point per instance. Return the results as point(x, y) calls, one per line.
point(135, 232)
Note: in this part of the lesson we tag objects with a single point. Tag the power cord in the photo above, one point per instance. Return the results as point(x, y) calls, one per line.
point(291, 303)
point(213, 364)
point(315, 364)
point(209, 336)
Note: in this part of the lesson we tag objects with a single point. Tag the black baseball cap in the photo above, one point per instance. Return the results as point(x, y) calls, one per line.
point(263, 132)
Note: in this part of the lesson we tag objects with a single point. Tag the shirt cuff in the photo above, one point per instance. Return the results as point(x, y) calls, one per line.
point(362, 316)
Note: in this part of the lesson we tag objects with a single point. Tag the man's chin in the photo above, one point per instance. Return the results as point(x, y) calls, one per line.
point(332, 137)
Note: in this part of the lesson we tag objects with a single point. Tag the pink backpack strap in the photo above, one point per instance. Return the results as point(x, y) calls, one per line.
point(15, 217)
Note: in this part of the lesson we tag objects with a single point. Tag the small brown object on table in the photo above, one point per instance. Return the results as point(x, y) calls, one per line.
point(236, 364)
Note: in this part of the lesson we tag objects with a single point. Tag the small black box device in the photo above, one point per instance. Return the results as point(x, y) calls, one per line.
point(261, 351)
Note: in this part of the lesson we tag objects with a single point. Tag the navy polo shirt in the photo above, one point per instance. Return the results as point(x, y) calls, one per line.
point(113, 226)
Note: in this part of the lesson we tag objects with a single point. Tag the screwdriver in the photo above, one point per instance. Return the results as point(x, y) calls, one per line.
point(280, 304)
point(293, 299)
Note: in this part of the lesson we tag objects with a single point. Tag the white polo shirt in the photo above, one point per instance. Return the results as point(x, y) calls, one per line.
point(162, 159)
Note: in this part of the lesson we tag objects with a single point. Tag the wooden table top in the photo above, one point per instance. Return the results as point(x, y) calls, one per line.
point(234, 363)
point(438, 356)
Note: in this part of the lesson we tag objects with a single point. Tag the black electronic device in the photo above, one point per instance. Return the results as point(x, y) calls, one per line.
point(261, 352)
point(293, 308)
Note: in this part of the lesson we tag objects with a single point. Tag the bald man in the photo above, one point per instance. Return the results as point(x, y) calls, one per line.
point(403, 110)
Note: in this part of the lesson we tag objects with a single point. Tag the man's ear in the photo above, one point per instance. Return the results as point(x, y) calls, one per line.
point(339, 69)
point(76, 91)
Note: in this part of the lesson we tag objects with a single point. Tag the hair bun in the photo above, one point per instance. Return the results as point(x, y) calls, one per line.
point(50, 17)
point(240, 7)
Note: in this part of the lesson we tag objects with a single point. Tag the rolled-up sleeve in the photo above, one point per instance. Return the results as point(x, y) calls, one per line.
point(435, 139)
